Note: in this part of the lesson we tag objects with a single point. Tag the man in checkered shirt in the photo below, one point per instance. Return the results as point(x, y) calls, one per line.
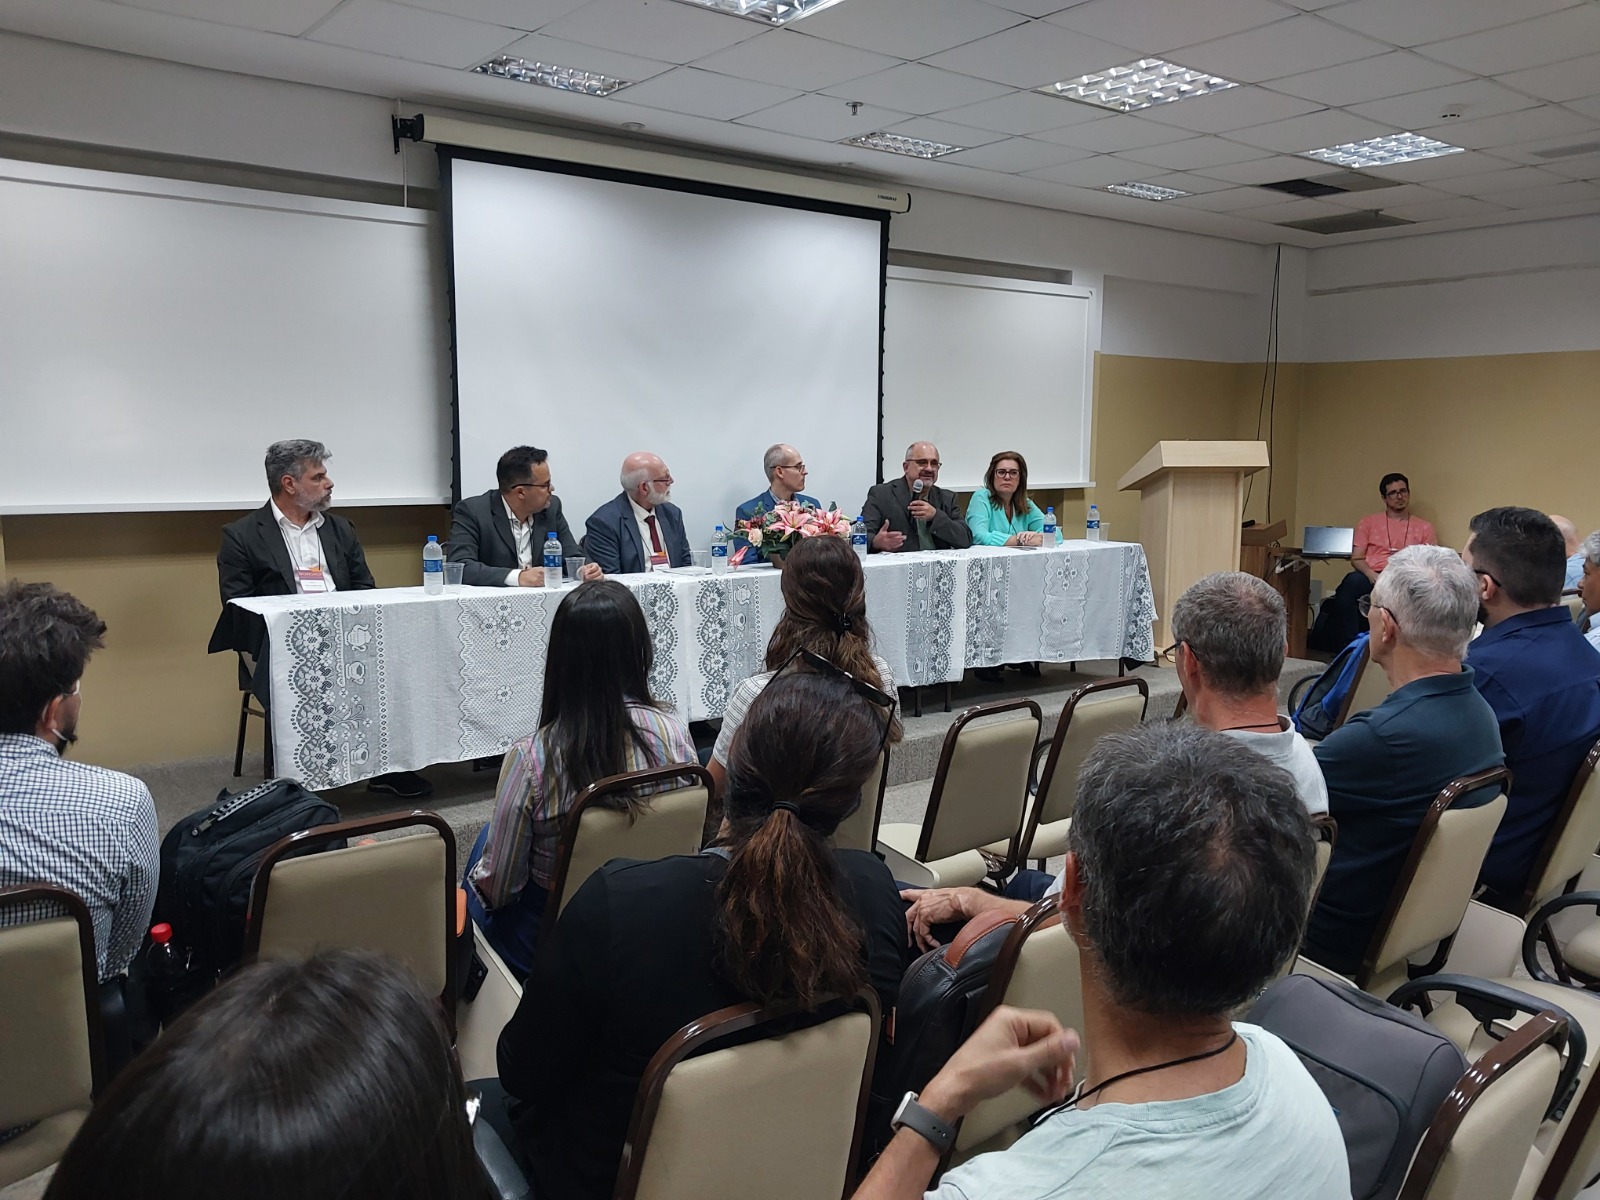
point(82, 828)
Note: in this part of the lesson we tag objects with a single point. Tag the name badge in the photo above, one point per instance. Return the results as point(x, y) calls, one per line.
point(311, 580)
point(658, 560)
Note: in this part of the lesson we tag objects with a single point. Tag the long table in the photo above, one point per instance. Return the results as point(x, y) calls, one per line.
point(362, 683)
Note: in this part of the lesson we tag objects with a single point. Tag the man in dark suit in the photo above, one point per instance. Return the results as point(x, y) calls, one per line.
point(639, 529)
point(910, 513)
point(499, 537)
point(292, 545)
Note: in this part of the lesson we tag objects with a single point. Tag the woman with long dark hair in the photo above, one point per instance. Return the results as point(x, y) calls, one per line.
point(597, 719)
point(332, 1079)
point(1000, 513)
point(772, 913)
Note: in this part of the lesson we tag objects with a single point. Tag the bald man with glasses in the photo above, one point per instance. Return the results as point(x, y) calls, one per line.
point(912, 512)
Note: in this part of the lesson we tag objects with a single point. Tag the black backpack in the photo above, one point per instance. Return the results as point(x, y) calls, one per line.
point(209, 859)
point(1385, 1071)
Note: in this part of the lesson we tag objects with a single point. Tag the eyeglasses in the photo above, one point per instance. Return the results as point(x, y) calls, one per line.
point(1393, 492)
point(1008, 472)
point(1489, 577)
point(1170, 654)
point(924, 462)
point(874, 696)
point(548, 485)
point(663, 480)
point(799, 466)
point(1364, 606)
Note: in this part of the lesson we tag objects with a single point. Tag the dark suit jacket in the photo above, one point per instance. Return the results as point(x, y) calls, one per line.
point(890, 501)
point(611, 537)
point(254, 561)
point(481, 538)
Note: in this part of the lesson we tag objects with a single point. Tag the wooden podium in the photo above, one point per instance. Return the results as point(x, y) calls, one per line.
point(1193, 502)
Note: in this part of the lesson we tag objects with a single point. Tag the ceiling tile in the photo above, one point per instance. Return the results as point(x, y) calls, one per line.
point(1416, 21)
point(1093, 172)
point(1227, 200)
point(536, 47)
point(676, 33)
point(1571, 191)
point(1236, 108)
point(1033, 8)
point(1187, 181)
point(704, 94)
point(917, 88)
point(1022, 112)
point(1444, 210)
point(1421, 110)
point(1156, 26)
point(1369, 79)
point(1570, 33)
point(789, 58)
point(1195, 154)
point(1015, 155)
point(1266, 170)
point(1290, 47)
point(1445, 166)
point(823, 117)
point(1033, 55)
point(1330, 127)
point(1486, 183)
point(416, 34)
point(1591, 106)
point(1579, 166)
point(515, 14)
point(1574, 79)
point(1508, 129)
point(937, 25)
point(1312, 5)
point(1387, 198)
point(1291, 210)
point(292, 17)
point(1120, 132)
point(931, 129)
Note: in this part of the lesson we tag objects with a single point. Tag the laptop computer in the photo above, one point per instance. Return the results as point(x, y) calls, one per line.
point(1328, 541)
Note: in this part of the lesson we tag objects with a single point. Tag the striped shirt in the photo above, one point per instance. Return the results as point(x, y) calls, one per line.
point(744, 694)
point(530, 803)
point(85, 829)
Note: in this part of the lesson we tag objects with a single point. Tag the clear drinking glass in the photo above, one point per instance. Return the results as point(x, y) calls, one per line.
point(453, 571)
point(575, 568)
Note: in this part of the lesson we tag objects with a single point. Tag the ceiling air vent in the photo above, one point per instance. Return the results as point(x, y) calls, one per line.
point(1346, 223)
point(1333, 184)
point(1566, 151)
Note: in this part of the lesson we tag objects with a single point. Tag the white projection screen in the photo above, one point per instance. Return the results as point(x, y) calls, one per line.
point(596, 316)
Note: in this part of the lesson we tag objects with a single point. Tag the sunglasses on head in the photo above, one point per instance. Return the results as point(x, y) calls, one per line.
point(874, 696)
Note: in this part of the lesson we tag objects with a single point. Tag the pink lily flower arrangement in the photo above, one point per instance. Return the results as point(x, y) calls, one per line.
point(773, 534)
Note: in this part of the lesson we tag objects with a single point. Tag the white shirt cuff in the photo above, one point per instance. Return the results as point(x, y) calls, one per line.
point(512, 576)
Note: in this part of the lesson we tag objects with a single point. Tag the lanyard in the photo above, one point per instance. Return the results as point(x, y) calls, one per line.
point(1079, 1095)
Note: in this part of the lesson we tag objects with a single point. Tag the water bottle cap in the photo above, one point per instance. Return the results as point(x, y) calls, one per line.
point(719, 529)
point(433, 537)
point(551, 536)
point(161, 934)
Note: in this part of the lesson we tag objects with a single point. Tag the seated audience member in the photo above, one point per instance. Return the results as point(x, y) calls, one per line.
point(331, 1079)
point(638, 529)
point(499, 536)
point(1539, 676)
point(786, 475)
point(1000, 513)
point(292, 544)
point(1376, 539)
point(825, 612)
point(1589, 588)
point(597, 720)
point(771, 913)
point(1385, 766)
point(1573, 545)
point(1232, 634)
point(1187, 876)
point(912, 513)
point(82, 828)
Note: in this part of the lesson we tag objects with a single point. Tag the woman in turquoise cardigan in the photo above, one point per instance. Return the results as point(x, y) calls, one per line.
point(1000, 513)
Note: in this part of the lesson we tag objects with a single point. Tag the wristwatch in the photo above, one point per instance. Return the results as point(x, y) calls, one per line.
point(930, 1125)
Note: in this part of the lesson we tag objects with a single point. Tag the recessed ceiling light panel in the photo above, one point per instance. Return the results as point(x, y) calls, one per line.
point(1146, 191)
point(768, 12)
point(1383, 151)
point(1142, 84)
point(893, 143)
point(566, 79)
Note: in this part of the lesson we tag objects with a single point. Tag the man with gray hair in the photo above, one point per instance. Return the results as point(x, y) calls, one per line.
point(912, 512)
point(1187, 876)
point(1385, 766)
point(638, 529)
point(786, 475)
point(1589, 588)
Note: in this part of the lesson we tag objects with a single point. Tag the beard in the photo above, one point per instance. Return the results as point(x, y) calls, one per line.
point(659, 495)
point(323, 505)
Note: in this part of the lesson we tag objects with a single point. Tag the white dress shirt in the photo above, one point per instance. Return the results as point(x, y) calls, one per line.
point(304, 546)
point(522, 535)
point(642, 515)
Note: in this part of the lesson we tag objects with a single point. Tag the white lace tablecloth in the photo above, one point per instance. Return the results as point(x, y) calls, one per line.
point(363, 683)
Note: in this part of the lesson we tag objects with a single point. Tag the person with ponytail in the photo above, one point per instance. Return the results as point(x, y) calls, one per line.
point(771, 912)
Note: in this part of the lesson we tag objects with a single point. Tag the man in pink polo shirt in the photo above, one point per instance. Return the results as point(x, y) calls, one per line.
point(1376, 538)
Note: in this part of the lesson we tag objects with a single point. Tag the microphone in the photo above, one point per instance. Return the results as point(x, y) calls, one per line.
point(916, 489)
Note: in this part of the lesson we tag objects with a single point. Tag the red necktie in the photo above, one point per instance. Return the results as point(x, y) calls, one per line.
point(655, 536)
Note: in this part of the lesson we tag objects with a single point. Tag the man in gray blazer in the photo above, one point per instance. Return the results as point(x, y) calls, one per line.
point(910, 513)
point(639, 528)
point(499, 536)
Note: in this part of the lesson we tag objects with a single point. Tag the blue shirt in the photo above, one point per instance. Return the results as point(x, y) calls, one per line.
point(768, 502)
point(1542, 679)
point(991, 527)
point(1574, 572)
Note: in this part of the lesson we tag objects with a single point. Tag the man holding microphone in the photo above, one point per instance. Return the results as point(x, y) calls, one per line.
point(912, 513)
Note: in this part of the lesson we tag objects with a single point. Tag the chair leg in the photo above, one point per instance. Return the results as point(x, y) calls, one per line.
point(947, 696)
point(238, 748)
point(917, 692)
point(268, 766)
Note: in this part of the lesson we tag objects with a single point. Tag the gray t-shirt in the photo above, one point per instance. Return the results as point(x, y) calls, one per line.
point(1269, 1136)
point(1292, 752)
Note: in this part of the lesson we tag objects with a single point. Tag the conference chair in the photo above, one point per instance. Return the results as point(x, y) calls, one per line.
point(1370, 688)
point(979, 790)
point(1116, 705)
point(396, 895)
point(859, 831)
point(593, 834)
point(1327, 834)
point(50, 1038)
point(1436, 881)
point(780, 1117)
point(484, 1010)
point(1574, 604)
point(247, 670)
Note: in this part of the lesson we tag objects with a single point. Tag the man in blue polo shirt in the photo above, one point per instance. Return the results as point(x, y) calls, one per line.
point(786, 475)
point(1538, 674)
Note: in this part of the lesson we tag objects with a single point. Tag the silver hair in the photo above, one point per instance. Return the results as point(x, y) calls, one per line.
point(914, 445)
point(770, 460)
point(632, 479)
point(1236, 625)
point(291, 458)
point(1433, 597)
point(1591, 549)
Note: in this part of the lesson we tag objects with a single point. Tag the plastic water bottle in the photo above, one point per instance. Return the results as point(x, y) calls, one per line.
point(1092, 532)
point(719, 551)
point(1051, 537)
point(552, 561)
point(432, 566)
point(858, 536)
